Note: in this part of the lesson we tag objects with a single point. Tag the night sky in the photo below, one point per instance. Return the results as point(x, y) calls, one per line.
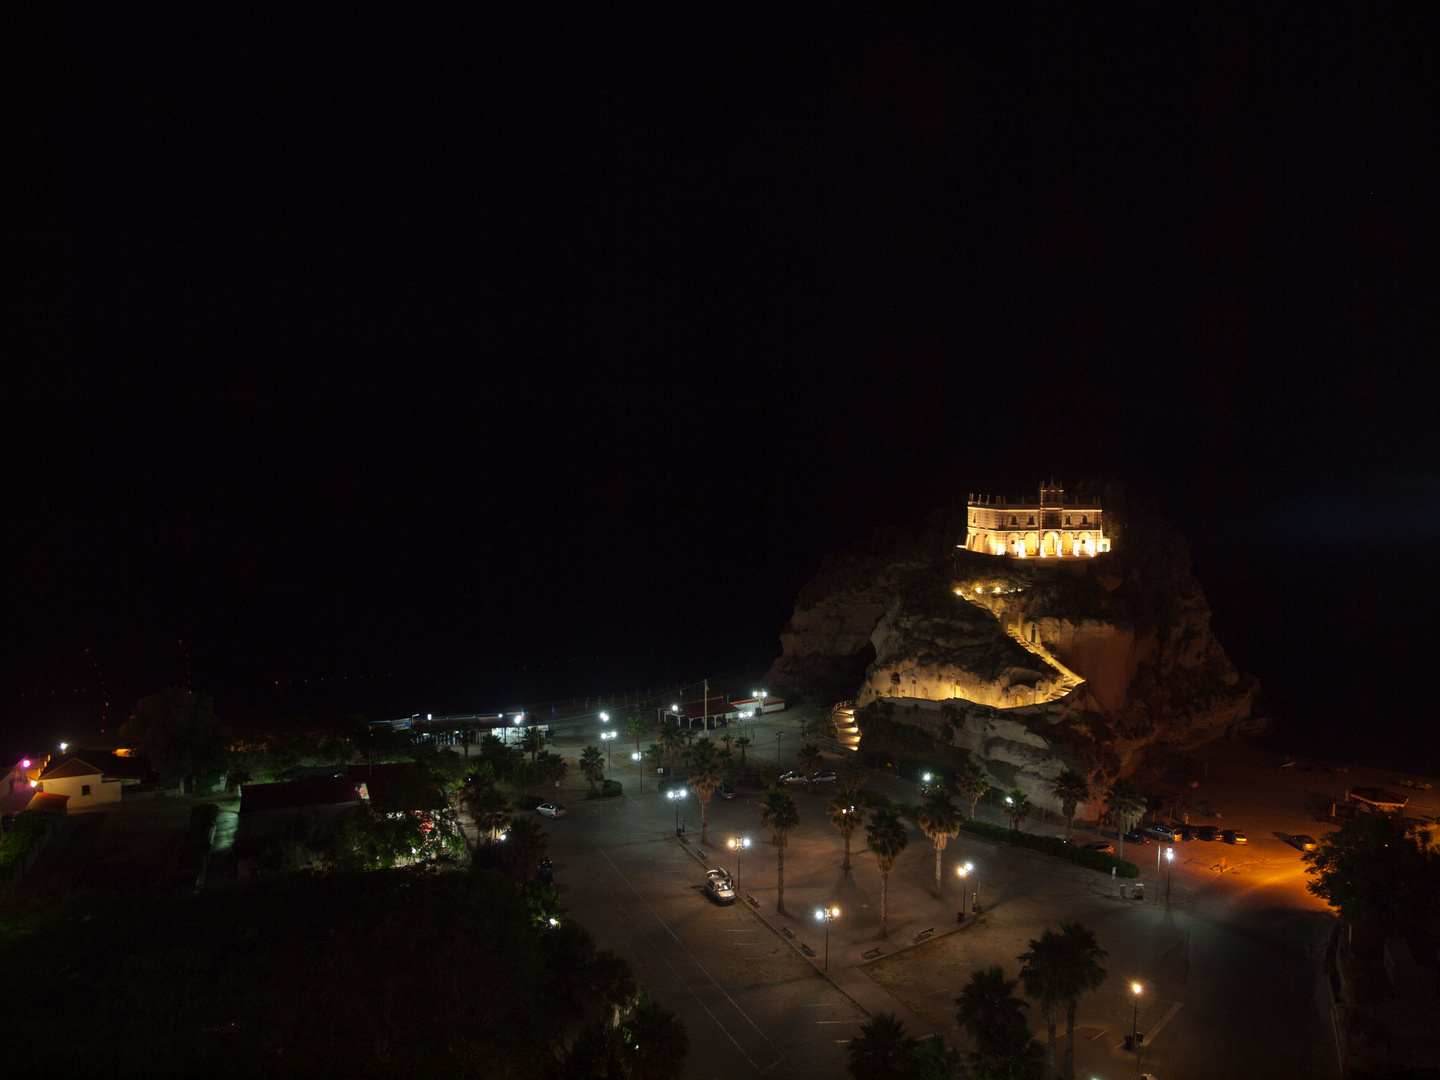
point(468, 363)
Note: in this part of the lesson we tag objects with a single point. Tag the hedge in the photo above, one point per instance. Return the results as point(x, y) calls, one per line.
point(25, 831)
point(1046, 845)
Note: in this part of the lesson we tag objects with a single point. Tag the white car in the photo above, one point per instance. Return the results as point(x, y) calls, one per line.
point(720, 886)
point(551, 809)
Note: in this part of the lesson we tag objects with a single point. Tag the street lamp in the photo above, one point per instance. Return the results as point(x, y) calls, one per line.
point(777, 748)
point(969, 868)
point(1135, 1027)
point(676, 795)
point(964, 891)
point(1169, 872)
point(737, 844)
point(760, 697)
point(827, 915)
point(63, 745)
point(635, 757)
point(605, 737)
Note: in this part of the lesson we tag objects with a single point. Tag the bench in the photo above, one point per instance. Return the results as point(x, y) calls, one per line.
point(871, 954)
point(787, 932)
point(806, 949)
point(923, 934)
point(749, 899)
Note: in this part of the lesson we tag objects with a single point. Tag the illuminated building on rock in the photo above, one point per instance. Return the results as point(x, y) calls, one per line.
point(1049, 528)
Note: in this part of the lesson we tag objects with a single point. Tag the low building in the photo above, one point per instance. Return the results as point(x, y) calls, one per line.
point(91, 777)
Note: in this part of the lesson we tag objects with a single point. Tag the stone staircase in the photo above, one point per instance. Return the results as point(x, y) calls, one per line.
point(847, 731)
point(1068, 680)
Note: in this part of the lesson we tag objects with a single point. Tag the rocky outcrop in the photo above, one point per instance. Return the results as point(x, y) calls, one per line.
point(1029, 665)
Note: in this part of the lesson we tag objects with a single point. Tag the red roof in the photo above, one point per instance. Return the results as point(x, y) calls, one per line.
point(402, 785)
point(49, 801)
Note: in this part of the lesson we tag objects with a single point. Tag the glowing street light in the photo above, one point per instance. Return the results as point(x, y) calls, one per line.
point(677, 796)
point(963, 871)
point(737, 844)
point(606, 737)
point(639, 765)
point(827, 915)
point(760, 697)
point(1135, 1025)
point(63, 745)
point(1169, 872)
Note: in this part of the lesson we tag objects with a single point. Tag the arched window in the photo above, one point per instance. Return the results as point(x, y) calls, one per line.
point(1032, 520)
point(1084, 519)
point(1012, 520)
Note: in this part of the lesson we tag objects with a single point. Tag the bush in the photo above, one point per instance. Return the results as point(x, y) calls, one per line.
point(203, 816)
point(609, 789)
point(25, 832)
point(528, 802)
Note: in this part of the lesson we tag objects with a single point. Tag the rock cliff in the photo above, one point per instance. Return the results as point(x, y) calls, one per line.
point(1030, 666)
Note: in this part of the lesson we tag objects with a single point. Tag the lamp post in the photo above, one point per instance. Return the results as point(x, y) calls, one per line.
point(1169, 872)
point(676, 795)
point(605, 737)
point(777, 748)
point(964, 891)
point(737, 844)
point(1135, 1027)
point(640, 765)
point(826, 915)
point(760, 697)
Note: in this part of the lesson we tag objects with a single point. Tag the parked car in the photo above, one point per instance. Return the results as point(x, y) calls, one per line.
point(824, 776)
point(1184, 832)
point(727, 790)
point(1235, 836)
point(793, 777)
point(1102, 846)
point(1162, 832)
point(1304, 843)
point(720, 886)
point(551, 809)
point(1207, 832)
point(1137, 838)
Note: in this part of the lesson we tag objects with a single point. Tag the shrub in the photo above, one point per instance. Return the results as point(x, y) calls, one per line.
point(25, 832)
point(203, 816)
point(609, 789)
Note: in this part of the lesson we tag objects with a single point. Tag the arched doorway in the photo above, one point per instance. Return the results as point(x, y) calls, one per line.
point(1067, 544)
point(1051, 544)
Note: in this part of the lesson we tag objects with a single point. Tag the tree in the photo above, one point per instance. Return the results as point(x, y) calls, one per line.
point(636, 726)
point(972, 783)
point(672, 744)
point(553, 767)
point(853, 776)
point(995, 1018)
point(466, 732)
point(811, 761)
point(846, 816)
point(1083, 956)
point(938, 820)
point(1373, 869)
point(1017, 807)
point(886, 839)
point(742, 741)
point(523, 847)
point(781, 816)
point(177, 729)
point(592, 765)
point(882, 1050)
point(489, 809)
point(532, 742)
point(1073, 791)
point(1046, 978)
point(1125, 807)
point(705, 777)
point(655, 1045)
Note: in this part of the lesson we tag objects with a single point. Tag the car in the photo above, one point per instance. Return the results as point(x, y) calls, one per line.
point(1207, 832)
point(1137, 838)
point(727, 790)
point(793, 777)
point(1184, 832)
point(1162, 832)
point(824, 776)
point(1102, 846)
point(1235, 836)
point(720, 886)
point(1304, 843)
point(551, 809)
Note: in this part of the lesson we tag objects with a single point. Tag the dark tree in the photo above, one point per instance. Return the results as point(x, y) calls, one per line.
point(177, 729)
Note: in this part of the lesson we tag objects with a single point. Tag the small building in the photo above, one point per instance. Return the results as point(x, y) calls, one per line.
point(1047, 528)
point(1378, 800)
point(397, 787)
point(91, 777)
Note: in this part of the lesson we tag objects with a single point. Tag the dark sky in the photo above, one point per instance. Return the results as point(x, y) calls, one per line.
point(475, 361)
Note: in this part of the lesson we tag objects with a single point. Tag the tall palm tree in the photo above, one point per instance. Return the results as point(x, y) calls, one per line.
point(705, 777)
point(1126, 807)
point(742, 742)
point(780, 815)
point(810, 760)
point(489, 809)
point(887, 839)
point(636, 726)
point(656, 1043)
point(939, 821)
point(847, 816)
point(532, 742)
point(853, 776)
point(592, 764)
point(672, 744)
point(972, 783)
point(1073, 791)
point(1017, 807)
point(1044, 972)
point(1085, 974)
point(987, 1006)
point(882, 1050)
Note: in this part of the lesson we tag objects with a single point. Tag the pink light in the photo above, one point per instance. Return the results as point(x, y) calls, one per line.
point(25, 764)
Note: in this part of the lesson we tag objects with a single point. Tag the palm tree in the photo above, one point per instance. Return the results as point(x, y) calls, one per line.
point(853, 776)
point(1014, 1056)
point(704, 779)
point(780, 815)
point(489, 809)
point(656, 1043)
point(846, 816)
point(1073, 791)
point(727, 738)
point(671, 744)
point(810, 760)
point(636, 726)
point(1125, 807)
point(882, 1050)
point(1043, 971)
point(467, 735)
point(995, 1018)
point(1017, 807)
point(938, 820)
point(887, 839)
point(532, 742)
point(524, 846)
point(592, 764)
point(742, 742)
point(972, 783)
point(1085, 973)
